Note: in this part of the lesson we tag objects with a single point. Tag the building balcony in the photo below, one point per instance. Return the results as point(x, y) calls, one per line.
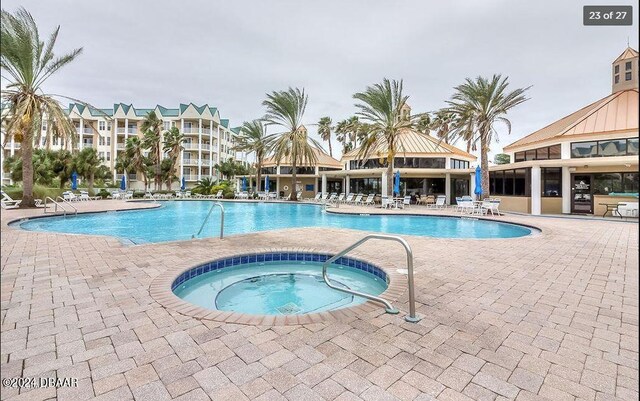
point(87, 145)
point(190, 177)
point(194, 162)
point(122, 130)
point(120, 146)
point(130, 177)
point(190, 146)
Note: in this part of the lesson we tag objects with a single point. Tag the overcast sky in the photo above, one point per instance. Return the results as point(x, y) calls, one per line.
point(230, 53)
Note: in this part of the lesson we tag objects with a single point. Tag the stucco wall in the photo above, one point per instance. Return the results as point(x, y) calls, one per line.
point(302, 182)
point(520, 204)
point(551, 205)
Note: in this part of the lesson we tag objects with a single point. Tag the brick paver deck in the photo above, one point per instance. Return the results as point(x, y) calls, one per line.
point(548, 317)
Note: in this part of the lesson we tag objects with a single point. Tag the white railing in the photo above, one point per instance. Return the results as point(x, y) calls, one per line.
point(190, 146)
point(120, 146)
point(190, 177)
point(120, 130)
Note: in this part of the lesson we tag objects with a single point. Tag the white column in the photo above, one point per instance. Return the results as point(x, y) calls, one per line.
point(13, 146)
point(219, 142)
point(181, 153)
point(347, 183)
point(447, 188)
point(384, 183)
point(81, 134)
point(114, 147)
point(472, 185)
point(324, 184)
point(565, 150)
point(566, 190)
point(277, 186)
point(199, 148)
point(211, 148)
point(536, 190)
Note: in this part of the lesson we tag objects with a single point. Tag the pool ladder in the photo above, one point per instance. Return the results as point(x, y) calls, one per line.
point(59, 205)
point(411, 317)
point(207, 218)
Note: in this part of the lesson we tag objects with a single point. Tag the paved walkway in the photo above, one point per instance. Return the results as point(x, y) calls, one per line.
point(549, 317)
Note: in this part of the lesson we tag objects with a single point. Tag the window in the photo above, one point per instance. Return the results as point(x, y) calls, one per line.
point(584, 149)
point(542, 154)
point(329, 168)
point(101, 140)
point(551, 181)
point(268, 170)
point(519, 157)
point(555, 152)
point(627, 76)
point(101, 125)
point(616, 79)
point(108, 125)
point(607, 183)
point(616, 69)
point(510, 182)
point(605, 148)
point(616, 147)
point(547, 152)
point(108, 156)
point(44, 125)
point(101, 155)
point(459, 164)
point(365, 185)
point(627, 66)
point(530, 154)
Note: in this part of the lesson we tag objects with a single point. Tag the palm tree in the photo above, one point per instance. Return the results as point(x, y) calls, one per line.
point(28, 62)
point(342, 135)
point(477, 106)
point(252, 139)
point(135, 153)
point(442, 123)
point(205, 185)
point(324, 130)
point(285, 109)
point(123, 164)
point(152, 128)
point(348, 132)
point(86, 164)
point(173, 140)
point(381, 108)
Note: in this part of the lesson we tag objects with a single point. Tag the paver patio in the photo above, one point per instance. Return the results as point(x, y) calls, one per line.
point(548, 317)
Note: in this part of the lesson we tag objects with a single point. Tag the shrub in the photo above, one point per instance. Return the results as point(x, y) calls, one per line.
point(39, 192)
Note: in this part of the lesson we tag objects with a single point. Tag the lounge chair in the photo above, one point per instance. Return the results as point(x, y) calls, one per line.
point(406, 201)
point(628, 209)
point(148, 195)
point(8, 203)
point(348, 199)
point(84, 196)
point(358, 199)
point(441, 202)
point(187, 194)
point(315, 198)
point(333, 197)
point(69, 196)
point(369, 200)
point(128, 195)
point(385, 202)
point(39, 203)
point(218, 195)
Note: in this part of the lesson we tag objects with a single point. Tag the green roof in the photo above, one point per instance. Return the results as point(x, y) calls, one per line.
point(224, 122)
point(165, 112)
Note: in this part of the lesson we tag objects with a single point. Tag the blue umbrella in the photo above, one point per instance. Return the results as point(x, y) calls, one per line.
point(396, 183)
point(74, 181)
point(266, 183)
point(184, 184)
point(244, 183)
point(123, 183)
point(478, 188)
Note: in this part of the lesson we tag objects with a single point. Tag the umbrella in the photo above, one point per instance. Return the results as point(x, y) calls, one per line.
point(478, 188)
point(244, 183)
point(396, 183)
point(266, 183)
point(123, 183)
point(184, 184)
point(74, 181)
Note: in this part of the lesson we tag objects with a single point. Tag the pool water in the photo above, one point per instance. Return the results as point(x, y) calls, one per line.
point(278, 288)
point(179, 220)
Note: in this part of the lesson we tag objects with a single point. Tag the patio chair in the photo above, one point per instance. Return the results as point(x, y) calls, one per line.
point(128, 195)
point(315, 198)
point(440, 202)
point(39, 202)
point(429, 199)
point(495, 206)
point(340, 198)
point(8, 203)
point(332, 197)
point(148, 195)
point(358, 199)
point(187, 194)
point(456, 207)
point(628, 209)
point(406, 201)
point(386, 203)
point(348, 199)
point(69, 196)
point(218, 195)
point(369, 200)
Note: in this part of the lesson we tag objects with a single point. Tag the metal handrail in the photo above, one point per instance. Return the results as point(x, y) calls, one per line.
point(207, 218)
point(66, 202)
point(388, 307)
point(55, 210)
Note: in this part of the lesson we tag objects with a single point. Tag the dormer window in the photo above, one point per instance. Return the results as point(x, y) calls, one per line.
point(617, 79)
point(627, 76)
point(616, 69)
point(627, 66)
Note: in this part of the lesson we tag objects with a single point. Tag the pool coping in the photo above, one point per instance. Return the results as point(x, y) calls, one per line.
point(161, 292)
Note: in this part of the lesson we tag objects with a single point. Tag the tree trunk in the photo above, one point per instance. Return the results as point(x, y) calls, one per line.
point(484, 166)
point(90, 185)
point(390, 177)
point(330, 150)
point(294, 193)
point(27, 169)
point(258, 175)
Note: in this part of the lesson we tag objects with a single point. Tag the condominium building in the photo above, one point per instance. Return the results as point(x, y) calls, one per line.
point(209, 140)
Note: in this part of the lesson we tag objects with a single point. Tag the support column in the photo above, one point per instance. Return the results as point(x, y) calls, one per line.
point(347, 184)
point(219, 142)
point(211, 148)
point(384, 183)
point(536, 191)
point(199, 148)
point(114, 149)
point(566, 190)
point(181, 154)
point(324, 184)
point(81, 134)
point(447, 188)
point(472, 186)
point(277, 186)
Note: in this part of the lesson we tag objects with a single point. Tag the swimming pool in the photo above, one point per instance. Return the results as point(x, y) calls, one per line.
point(179, 220)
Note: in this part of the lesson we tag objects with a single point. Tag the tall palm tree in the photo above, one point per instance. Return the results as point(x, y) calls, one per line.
point(442, 123)
point(477, 106)
point(286, 109)
point(252, 139)
point(324, 130)
point(86, 164)
point(28, 62)
point(381, 108)
point(152, 128)
point(135, 153)
point(173, 141)
point(342, 135)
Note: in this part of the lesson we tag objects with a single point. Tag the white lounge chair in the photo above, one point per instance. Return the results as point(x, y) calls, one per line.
point(349, 199)
point(406, 201)
point(441, 202)
point(128, 195)
point(315, 198)
point(8, 203)
point(369, 200)
point(333, 197)
point(358, 199)
point(628, 209)
point(218, 195)
point(69, 196)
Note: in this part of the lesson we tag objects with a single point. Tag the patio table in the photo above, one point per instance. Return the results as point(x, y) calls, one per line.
point(611, 208)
